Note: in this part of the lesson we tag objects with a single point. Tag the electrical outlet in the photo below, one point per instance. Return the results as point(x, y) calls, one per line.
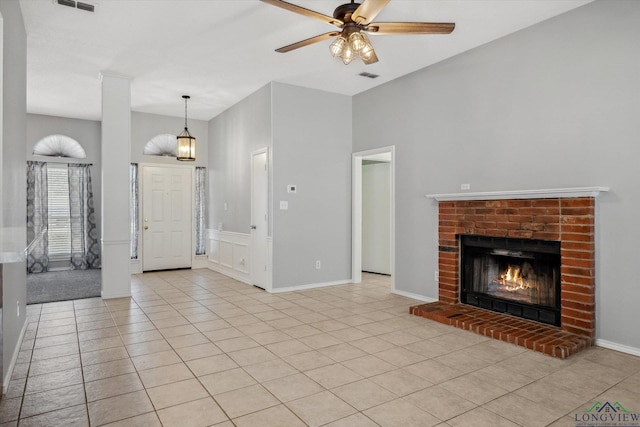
point(437, 275)
point(465, 186)
point(317, 265)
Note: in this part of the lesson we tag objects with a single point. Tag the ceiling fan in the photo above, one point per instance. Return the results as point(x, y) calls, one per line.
point(353, 21)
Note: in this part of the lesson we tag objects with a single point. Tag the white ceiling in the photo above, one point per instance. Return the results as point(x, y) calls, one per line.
point(220, 51)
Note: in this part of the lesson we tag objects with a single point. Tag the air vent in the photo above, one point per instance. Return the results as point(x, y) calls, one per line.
point(69, 3)
point(76, 5)
point(86, 6)
point(369, 75)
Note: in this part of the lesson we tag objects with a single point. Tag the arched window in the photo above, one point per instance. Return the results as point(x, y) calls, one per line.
point(59, 146)
point(164, 144)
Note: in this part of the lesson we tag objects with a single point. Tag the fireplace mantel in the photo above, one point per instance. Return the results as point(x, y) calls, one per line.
point(550, 193)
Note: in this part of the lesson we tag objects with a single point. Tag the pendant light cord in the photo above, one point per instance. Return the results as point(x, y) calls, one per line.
point(186, 98)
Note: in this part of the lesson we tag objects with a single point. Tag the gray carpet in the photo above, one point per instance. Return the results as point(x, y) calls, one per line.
point(63, 285)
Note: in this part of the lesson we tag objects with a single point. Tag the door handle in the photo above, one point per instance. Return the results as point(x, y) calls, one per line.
point(253, 227)
point(146, 227)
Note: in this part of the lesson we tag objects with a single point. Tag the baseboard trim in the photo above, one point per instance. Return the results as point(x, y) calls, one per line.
point(199, 261)
point(618, 347)
point(309, 286)
point(413, 296)
point(7, 378)
point(212, 265)
point(112, 296)
point(135, 267)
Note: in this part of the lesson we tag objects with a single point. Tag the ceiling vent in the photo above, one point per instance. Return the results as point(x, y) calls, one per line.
point(76, 5)
point(369, 75)
point(85, 6)
point(69, 3)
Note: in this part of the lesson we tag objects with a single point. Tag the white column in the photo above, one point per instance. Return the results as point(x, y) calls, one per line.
point(116, 153)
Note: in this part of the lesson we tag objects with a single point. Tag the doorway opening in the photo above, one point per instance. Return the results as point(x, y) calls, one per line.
point(373, 214)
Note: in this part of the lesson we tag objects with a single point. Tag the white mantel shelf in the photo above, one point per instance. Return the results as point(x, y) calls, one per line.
point(549, 193)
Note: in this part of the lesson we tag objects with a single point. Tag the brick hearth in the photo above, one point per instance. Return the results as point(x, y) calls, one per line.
point(525, 333)
point(571, 221)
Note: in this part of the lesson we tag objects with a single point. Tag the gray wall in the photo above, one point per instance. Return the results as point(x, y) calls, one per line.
point(145, 126)
point(311, 149)
point(555, 105)
point(86, 132)
point(234, 134)
point(13, 167)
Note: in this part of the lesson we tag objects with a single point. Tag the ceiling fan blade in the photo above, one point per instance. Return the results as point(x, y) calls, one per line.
point(305, 12)
point(368, 10)
point(410, 27)
point(307, 42)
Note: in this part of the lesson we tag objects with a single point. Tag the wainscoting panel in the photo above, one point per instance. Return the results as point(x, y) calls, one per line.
point(241, 257)
point(229, 254)
point(226, 253)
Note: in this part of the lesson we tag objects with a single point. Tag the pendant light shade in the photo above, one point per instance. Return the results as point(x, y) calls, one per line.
point(186, 142)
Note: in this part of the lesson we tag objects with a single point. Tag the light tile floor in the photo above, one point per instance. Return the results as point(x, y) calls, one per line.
point(195, 348)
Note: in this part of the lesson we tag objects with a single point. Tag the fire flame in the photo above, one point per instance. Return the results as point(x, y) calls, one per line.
point(512, 279)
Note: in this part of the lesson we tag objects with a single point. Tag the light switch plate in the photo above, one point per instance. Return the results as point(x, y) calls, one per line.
point(291, 188)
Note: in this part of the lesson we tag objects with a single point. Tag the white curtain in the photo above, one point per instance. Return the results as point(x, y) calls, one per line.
point(133, 208)
point(201, 210)
point(85, 250)
point(37, 217)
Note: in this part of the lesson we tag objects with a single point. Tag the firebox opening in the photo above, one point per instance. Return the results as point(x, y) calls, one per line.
point(515, 276)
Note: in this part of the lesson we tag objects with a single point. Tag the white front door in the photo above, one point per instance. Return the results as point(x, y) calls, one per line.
point(259, 221)
point(166, 217)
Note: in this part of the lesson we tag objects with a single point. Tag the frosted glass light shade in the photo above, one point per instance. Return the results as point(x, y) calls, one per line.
point(367, 52)
point(186, 146)
point(356, 41)
point(338, 46)
point(347, 55)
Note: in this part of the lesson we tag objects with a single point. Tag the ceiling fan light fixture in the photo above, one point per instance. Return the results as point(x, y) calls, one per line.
point(338, 46)
point(354, 20)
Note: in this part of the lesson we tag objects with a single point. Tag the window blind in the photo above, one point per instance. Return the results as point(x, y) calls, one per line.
point(59, 229)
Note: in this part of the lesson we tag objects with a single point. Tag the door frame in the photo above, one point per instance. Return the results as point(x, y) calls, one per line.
point(141, 189)
point(267, 284)
point(356, 211)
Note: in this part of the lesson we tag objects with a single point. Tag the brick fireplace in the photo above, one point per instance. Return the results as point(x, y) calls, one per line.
point(568, 218)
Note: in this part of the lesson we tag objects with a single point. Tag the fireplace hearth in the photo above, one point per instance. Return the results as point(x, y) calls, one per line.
point(516, 276)
point(540, 267)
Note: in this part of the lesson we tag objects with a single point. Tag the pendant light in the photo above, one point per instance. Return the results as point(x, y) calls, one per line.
point(186, 142)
